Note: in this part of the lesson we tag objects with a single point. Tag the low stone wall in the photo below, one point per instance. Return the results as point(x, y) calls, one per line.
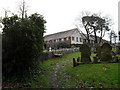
point(51, 54)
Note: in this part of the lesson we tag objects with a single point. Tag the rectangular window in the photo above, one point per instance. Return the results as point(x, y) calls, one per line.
point(50, 41)
point(84, 40)
point(76, 39)
point(64, 39)
point(69, 38)
point(60, 39)
point(73, 38)
point(80, 39)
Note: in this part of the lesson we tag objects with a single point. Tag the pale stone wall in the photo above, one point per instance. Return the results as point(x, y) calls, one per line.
point(76, 35)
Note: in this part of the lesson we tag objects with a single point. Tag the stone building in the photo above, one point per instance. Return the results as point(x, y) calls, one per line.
point(71, 37)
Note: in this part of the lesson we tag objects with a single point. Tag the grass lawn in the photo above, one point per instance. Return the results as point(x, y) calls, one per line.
point(87, 75)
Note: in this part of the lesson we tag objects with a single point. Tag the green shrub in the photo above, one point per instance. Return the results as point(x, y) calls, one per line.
point(63, 45)
point(22, 44)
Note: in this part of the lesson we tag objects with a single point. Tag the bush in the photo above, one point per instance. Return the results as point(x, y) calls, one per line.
point(22, 44)
point(63, 45)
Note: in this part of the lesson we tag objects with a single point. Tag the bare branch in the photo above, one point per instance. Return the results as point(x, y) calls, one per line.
point(23, 9)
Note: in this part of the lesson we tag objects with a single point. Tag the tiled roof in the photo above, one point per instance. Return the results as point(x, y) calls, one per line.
point(68, 33)
point(59, 35)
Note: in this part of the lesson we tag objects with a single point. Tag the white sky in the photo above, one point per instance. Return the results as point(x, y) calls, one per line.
point(61, 14)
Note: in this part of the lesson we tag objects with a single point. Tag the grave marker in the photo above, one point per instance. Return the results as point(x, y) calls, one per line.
point(85, 53)
point(106, 53)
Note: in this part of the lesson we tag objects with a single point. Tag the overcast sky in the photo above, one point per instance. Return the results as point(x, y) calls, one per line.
point(61, 14)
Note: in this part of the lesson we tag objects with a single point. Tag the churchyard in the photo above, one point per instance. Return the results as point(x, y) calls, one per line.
point(84, 69)
point(103, 54)
point(98, 68)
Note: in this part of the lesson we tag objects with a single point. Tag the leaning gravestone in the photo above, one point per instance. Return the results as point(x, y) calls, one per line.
point(106, 53)
point(85, 53)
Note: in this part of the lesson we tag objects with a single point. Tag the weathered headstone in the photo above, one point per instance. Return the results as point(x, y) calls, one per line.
point(85, 53)
point(106, 53)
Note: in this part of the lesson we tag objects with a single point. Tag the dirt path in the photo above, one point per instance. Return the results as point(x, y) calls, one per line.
point(54, 78)
point(58, 78)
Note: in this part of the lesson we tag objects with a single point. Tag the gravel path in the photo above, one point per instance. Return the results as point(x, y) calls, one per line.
point(54, 76)
point(59, 79)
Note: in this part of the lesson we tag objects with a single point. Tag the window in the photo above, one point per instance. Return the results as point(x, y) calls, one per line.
point(80, 39)
point(50, 41)
point(76, 39)
point(60, 39)
point(84, 40)
point(54, 40)
point(73, 38)
point(64, 39)
point(69, 38)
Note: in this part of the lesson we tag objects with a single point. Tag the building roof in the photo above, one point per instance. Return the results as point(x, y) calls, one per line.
point(68, 33)
point(59, 35)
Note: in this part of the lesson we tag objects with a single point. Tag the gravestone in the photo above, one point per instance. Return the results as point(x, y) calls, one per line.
point(105, 55)
point(85, 53)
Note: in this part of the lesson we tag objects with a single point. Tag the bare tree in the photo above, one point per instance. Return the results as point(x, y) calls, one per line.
point(6, 12)
point(79, 24)
point(23, 9)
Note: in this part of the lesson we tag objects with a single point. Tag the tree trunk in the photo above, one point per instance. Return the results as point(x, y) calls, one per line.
point(101, 36)
point(95, 36)
point(88, 37)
